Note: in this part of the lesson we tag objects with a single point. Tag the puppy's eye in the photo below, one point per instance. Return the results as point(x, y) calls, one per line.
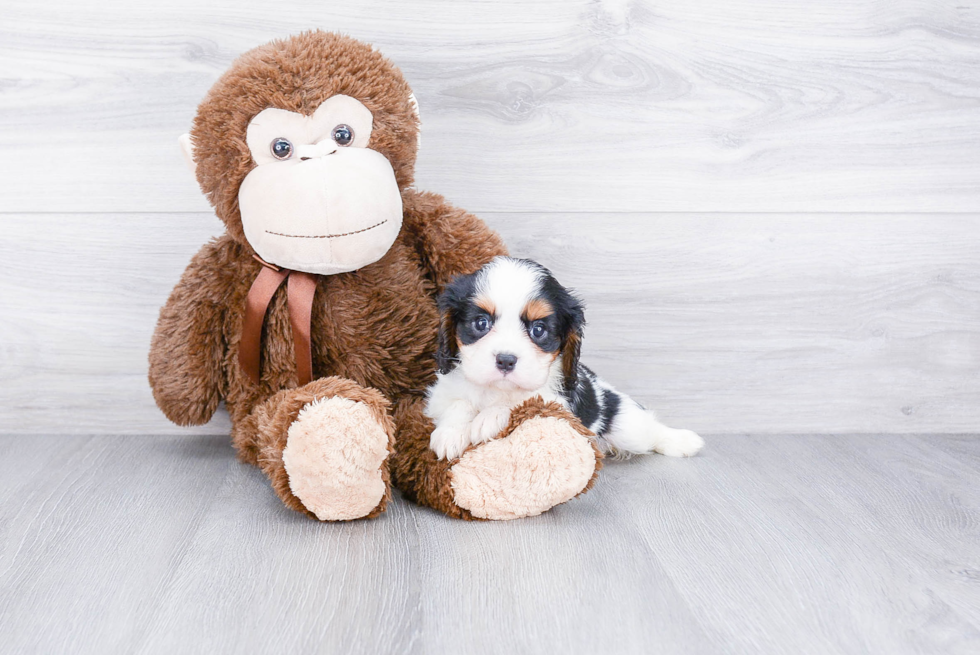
point(343, 135)
point(281, 148)
point(538, 331)
point(481, 324)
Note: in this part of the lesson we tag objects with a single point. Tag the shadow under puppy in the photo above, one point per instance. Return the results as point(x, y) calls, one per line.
point(510, 332)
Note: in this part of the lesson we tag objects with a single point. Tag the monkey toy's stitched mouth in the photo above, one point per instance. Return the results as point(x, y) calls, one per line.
point(326, 236)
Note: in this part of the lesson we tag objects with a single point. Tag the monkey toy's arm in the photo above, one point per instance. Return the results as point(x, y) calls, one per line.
point(450, 241)
point(187, 345)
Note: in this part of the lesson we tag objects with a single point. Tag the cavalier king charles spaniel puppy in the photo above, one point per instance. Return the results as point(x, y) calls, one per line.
point(510, 332)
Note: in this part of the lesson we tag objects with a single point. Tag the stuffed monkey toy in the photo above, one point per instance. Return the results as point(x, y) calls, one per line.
point(314, 315)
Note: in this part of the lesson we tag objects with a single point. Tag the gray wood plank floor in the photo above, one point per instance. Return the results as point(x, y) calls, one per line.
point(809, 544)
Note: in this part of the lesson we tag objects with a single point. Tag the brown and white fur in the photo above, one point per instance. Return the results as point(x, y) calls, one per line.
point(510, 332)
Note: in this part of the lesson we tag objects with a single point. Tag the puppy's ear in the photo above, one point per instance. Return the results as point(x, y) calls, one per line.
point(452, 305)
point(569, 361)
point(571, 316)
point(448, 353)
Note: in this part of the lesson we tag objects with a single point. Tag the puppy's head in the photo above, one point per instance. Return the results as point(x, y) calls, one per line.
point(508, 324)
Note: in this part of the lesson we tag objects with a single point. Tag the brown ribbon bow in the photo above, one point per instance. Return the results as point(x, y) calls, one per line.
point(299, 299)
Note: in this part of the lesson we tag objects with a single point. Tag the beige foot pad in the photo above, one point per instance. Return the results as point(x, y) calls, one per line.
point(542, 463)
point(333, 456)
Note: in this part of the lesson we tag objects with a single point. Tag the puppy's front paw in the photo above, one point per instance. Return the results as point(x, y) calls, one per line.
point(489, 423)
point(449, 441)
point(679, 443)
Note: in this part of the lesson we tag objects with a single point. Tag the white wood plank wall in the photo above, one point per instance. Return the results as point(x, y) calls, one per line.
point(772, 208)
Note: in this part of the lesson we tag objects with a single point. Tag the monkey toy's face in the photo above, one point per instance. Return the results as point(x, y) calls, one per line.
point(319, 199)
point(303, 147)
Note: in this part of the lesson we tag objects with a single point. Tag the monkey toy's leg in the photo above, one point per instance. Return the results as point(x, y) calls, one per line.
point(544, 457)
point(324, 446)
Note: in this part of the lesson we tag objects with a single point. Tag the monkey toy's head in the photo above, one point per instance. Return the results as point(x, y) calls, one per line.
point(303, 148)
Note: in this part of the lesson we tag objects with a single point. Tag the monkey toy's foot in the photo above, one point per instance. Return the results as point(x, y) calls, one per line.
point(542, 458)
point(325, 448)
point(333, 456)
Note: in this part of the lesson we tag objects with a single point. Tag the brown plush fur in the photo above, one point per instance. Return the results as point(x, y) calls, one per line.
point(415, 469)
point(374, 330)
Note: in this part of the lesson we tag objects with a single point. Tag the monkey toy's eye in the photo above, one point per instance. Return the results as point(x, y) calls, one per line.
point(343, 135)
point(538, 331)
point(282, 148)
point(481, 324)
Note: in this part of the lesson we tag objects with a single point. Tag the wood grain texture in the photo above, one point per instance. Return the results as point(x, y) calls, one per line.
point(582, 105)
point(723, 323)
point(782, 544)
point(772, 210)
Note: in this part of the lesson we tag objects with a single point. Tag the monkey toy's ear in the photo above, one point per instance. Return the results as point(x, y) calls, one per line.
point(415, 108)
point(187, 149)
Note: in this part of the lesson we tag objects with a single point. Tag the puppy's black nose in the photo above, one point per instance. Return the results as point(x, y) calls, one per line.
point(506, 362)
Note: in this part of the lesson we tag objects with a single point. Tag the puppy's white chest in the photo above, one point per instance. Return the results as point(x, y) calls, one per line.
point(465, 414)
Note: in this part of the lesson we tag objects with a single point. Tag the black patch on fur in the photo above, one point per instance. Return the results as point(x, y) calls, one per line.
point(610, 407)
point(552, 340)
point(455, 301)
point(583, 400)
point(465, 329)
point(569, 312)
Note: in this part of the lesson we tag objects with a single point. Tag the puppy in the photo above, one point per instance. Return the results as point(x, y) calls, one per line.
point(510, 332)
